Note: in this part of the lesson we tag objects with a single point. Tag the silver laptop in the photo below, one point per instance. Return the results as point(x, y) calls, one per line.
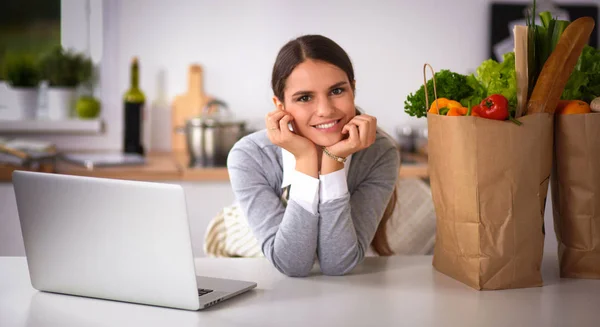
point(113, 239)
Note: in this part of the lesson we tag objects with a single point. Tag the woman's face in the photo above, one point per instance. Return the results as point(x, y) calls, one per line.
point(321, 99)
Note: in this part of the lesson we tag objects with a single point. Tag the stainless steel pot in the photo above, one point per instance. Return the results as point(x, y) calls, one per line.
point(210, 137)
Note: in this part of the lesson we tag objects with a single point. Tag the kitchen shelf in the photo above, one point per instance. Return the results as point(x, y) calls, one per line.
point(71, 126)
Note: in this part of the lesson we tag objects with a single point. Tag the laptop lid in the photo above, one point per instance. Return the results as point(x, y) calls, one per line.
point(106, 238)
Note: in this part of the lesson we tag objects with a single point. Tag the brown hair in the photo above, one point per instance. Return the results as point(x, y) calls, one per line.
point(314, 47)
point(318, 47)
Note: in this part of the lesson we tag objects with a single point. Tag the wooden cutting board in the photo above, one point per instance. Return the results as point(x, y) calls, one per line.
point(186, 106)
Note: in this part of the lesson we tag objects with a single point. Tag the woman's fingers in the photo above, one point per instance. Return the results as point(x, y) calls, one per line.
point(272, 120)
point(368, 129)
point(353, 139)
point(283, 125)
point(363, 130)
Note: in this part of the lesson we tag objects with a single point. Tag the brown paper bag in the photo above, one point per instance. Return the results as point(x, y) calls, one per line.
point(576, 194)
point(489, 181)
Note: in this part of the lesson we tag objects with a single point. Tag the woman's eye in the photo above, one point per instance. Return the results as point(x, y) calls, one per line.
point(337, 91)
point(304, 98)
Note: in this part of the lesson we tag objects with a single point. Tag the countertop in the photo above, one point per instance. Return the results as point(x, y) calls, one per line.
point(174, 167)
point(381, 291)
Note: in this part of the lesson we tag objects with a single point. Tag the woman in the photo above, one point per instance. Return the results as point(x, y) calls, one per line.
point(341, 171)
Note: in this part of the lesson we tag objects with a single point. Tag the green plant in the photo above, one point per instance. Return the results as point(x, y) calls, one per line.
point(21, 70)
point(67, 68)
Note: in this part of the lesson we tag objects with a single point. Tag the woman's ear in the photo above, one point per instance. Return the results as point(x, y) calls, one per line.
point(278, 104)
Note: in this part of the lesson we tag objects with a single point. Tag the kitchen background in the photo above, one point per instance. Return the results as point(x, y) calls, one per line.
point(236, 43)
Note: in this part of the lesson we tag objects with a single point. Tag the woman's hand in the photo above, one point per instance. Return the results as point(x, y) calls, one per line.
point(302, 148)
point(361, 131)
point(280, 135)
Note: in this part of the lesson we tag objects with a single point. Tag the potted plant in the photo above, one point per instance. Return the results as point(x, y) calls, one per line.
point(64, 70)
point(22, 76)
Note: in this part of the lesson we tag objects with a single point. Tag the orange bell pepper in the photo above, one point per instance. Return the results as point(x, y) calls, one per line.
point(441, 103)
point(453, 104)
point(457, 111)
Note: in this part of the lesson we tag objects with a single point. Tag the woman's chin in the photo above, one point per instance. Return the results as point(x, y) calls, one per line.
point(327, 140)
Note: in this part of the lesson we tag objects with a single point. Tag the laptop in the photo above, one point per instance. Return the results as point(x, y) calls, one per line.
point(113, 239)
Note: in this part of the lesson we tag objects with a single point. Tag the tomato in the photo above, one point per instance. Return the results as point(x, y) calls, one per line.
point(493, 107)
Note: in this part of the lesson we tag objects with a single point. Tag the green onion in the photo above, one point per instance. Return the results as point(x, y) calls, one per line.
point(531, 51)
point(470, 108)
point(559, 28)
point(515, 121)
point(542, 46)
point(546, 17)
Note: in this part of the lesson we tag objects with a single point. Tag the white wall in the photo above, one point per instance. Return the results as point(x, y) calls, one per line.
point(236, 41)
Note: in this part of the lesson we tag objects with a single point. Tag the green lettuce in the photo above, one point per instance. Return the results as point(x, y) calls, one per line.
point(498, 78)
point(584, 82)
point(478, 94)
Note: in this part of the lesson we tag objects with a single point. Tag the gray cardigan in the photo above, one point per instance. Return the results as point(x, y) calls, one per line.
point(291, 237)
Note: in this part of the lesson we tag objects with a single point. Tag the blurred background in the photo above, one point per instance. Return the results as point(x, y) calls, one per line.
point(90, 83)
point(236, 42)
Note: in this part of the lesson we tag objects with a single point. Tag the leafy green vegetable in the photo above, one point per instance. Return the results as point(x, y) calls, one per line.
point(542, 41)
point(498, 78)
point(479, 92)
point(559, 28)
point(546, 17)
point(532, 51)
point(492, 77)
point(584, 82)
point(449, 85)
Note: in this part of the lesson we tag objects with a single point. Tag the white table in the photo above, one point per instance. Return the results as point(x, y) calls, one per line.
point(391, 291)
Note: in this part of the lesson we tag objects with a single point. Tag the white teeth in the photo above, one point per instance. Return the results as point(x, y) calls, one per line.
point(325, 126)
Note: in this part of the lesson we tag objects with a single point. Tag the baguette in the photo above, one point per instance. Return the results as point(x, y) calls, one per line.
point(559, 66)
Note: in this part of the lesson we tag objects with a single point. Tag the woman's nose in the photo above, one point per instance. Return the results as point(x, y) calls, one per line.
point(325, 108)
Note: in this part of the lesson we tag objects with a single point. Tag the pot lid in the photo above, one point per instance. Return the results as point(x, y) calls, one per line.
point(211, 117)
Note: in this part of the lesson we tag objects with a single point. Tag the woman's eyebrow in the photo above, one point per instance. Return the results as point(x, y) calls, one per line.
point(338, 84)
point(302, 93)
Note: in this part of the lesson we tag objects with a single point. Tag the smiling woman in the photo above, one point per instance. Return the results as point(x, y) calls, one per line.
point(339, 169)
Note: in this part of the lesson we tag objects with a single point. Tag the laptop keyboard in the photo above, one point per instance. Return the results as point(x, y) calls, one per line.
point(202, 291)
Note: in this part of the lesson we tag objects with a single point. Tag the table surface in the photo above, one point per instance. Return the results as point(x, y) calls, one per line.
point(384, 291)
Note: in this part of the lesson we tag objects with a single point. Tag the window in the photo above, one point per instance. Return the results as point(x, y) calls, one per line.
point(29, 26)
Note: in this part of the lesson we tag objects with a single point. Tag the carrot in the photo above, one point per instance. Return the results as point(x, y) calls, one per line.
point(559, 66)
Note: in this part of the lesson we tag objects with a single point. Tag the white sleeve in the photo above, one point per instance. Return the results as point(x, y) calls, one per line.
point(305, 191)
point(333, 186)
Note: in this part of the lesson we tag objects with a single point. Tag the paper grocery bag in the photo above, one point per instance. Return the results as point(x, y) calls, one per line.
point(489, 181)
point(576, 194)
